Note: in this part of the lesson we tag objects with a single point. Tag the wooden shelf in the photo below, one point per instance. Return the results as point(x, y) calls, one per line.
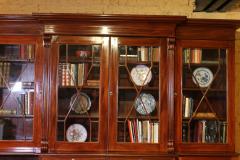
point(84, 87)
point(84, 116)
point(213, 63)
point(186, 119)
point(132, 88)
point(18, 60)
point(72, 60)
point(198, 89)
point(122, 118)
point(16, 116)
point(122, 64)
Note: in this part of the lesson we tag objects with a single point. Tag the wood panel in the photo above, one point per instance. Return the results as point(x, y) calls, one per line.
point(71, 157)
point(205, 158)
point(203, 32)
point(19, 25)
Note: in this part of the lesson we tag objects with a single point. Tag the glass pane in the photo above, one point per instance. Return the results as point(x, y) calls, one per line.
point(16, 91)
point(78, 93)
point(204, 100)
point(138, 94)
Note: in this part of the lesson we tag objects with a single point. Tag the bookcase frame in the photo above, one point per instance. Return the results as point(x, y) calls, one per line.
point(48, 31)
point(182, 146)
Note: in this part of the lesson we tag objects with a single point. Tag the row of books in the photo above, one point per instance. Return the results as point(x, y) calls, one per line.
point(187, 107)
point(143, 131)
point(143, 54)
point(72, 74)
point(192, 55)
point(22, 51)
point(4, 73)
point(25, 103)
point(26, 51)
point(205, 131)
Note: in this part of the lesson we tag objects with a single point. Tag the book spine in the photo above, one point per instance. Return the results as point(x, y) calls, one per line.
point(80, 74)
point(130, 128)
point(64, 72)
point(67, 74)
point(156, 54)
point(156, 128)
point(71, 75)
point(1, 74)
point(140, 131)
point(60, 72)
point(203, 131)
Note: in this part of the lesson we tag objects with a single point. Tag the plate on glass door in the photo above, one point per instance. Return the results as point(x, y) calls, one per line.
point(145, 104)
point(202, 76)
point(141, 75)
point(76, 133)
point(80, 102)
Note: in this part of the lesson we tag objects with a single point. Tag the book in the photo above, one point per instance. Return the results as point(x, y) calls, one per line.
point(146, 131)
point(130, 129)
point(156, 54)
point(192, 55)
point(144, 53)
point(155, 132)
point(187, 107)
point(60, 74)
point(80, 74)
point(73, 74)
point(1, 74)
point(184, 132)
point(196, 55)
point(64, 72)
point(223, 132)
point(139, 131)
point(203, 131)
point(30, 51)
point(67, 74)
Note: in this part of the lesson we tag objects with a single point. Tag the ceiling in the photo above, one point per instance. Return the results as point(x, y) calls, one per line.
point(217, 6)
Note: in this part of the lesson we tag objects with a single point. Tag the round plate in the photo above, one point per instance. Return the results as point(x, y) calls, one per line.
point(203, 75)
point(76, 133)
point(141, 75)
point(80, 103)
point(145, 104)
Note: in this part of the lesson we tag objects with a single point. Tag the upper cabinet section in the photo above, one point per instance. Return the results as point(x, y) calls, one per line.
point(204, 95)
point(80, 79)
point(205, 106)
point(20, 99)
point(137, 90)
point(17, 72)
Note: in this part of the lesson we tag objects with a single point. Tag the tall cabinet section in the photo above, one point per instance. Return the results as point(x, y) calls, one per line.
point(21, 74)
point(205, 90)
point(79, 75)
point(114, 87)
point(138, 65)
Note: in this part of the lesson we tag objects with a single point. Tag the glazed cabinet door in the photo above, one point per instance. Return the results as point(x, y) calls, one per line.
point(79, 90)
point(21, 71)
point(205, 99)
point(138, 95)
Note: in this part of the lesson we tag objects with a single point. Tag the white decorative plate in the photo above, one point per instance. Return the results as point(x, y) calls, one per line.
point(145, 104)
point(80, 103)
point(203, 76)
point(141, 75)
point(76, 133)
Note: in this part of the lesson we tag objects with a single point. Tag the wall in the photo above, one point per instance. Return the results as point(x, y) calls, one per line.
point(149, 7)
